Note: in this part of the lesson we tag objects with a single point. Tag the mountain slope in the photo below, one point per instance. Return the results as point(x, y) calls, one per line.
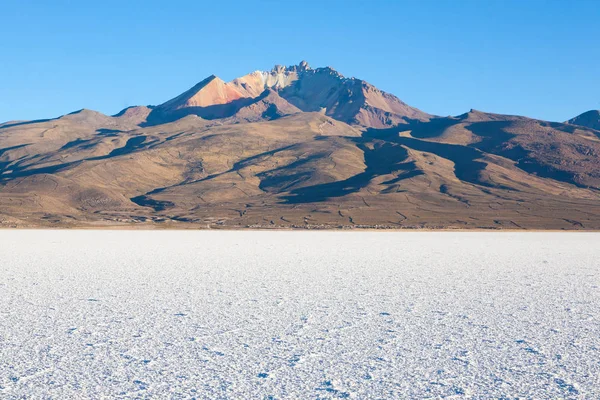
point(349, 100)
point(549, 150)
point(267, 106)
point(298, 148)
point(590, 119)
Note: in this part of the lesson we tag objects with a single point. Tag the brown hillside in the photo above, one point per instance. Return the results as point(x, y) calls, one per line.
point(298, 148)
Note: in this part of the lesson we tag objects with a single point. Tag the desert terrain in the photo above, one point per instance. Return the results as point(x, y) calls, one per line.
point(298, 148)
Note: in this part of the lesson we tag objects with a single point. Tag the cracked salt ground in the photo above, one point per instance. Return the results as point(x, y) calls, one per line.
point(124, 314)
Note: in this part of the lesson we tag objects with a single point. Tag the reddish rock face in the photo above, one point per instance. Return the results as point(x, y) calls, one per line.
point(211, 91)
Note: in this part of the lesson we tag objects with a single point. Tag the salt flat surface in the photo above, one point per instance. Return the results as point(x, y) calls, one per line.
point(299, 315)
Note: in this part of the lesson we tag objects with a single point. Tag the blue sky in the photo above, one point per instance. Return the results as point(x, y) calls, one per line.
point(535, 58)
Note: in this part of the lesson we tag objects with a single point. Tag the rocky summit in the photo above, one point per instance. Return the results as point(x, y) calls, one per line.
point(297, 147)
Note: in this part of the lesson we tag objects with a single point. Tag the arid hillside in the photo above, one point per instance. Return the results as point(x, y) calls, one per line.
point(297, 147)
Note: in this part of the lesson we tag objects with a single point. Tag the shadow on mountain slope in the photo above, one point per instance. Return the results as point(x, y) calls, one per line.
point(497, 141)
point(466, 166)
point(494, 139)
point(431, 129)
point(160, 116)
point(37, 121)
point(133, 144)
point(386, 156)
point(383, 159)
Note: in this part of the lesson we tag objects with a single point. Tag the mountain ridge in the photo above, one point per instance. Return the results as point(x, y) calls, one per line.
point(349, 100)
point(297, 147)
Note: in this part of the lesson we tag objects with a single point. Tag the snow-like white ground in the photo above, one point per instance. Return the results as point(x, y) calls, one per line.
point(299, 315)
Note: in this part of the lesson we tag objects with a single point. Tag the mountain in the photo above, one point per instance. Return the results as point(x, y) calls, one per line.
point(268, 105)
point(323, 90)
point(297, 147)
point(590, 119)
point(350, 100)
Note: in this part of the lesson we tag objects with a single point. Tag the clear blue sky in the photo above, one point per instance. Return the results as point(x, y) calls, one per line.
point(530, 57)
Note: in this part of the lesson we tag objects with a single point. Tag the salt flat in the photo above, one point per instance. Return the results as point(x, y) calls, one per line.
point(299, 315)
